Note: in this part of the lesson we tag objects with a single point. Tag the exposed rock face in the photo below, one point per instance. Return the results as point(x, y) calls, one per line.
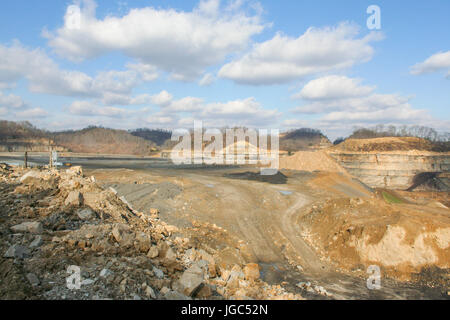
point(393, 170)
point(402, 239)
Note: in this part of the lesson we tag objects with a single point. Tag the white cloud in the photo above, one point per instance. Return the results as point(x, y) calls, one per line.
point(162, 99)
point(343, 94)
point(88, 108)
point(437, 62)
point(237, 112)
point(207, 80)
point(110, 98)
point(178, 42)
point(45, 76)
point(333, 87)
point(284, 58)
point(11, 101)
point(403, 113)
point(32, 113)
point(341, 102)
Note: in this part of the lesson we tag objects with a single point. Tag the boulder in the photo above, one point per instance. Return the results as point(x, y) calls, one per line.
point(191, 281)
point(123, 235)
point(252, 272)
point(17, 251)
point(204, 292)
point(30, 177)
point(85, 214)
point(153, 252)
point(36, 243)
point(30, 227)
point(75, 198)
point(150, 293)
point(33, 279)
point(105, 273)
point(75, 171)
point(174, 295)
point(158, 273)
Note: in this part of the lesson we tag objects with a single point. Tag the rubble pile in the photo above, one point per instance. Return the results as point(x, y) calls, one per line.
point(65, 237)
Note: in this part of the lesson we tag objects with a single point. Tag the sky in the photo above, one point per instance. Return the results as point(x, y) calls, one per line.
point(330, 65)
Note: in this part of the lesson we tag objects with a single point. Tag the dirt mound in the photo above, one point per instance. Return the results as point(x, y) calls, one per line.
point(310, 161)
point(385, 144)
point(402, 239)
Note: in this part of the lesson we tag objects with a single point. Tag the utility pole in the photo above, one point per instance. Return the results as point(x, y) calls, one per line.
point(51, 158)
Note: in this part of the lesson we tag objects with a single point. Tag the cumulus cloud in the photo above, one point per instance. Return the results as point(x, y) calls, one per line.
point(333, 87)
point(284, 58)
point(343, 100)
point(178, 42)
point(437, 62)
point(11, 101)
point(33, 113)
point(247, 111)
point(162, 99)
point(45, 76)
point(207, 80)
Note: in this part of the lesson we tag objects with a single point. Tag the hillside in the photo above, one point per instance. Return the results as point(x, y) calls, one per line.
point(303, 139)
point(158, 136)
point(385, 144)
point(104, 141)
point(23, 136)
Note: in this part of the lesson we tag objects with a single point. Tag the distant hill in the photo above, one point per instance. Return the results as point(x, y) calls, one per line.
point(390, 138)
point(104, 141)
point(157, 136)
point(303, 139)
point(20, 130)
point(23, 136)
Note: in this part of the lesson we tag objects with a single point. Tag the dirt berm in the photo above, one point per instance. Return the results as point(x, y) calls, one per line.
point(405, 240)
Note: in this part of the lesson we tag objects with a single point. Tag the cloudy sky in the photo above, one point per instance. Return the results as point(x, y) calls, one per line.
point(263, 64)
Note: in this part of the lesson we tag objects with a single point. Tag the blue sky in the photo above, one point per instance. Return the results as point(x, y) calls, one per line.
point(264, 64)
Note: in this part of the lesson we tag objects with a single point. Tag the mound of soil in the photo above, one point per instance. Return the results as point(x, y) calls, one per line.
point(311, 161)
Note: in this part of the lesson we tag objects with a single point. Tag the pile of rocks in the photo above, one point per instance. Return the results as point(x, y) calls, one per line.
point(65, 237)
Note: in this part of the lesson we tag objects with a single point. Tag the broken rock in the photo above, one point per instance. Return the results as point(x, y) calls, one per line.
point(33, 279)
point(16, 251)
point(85, 214)
point(153, 252)
point(75, 198)
point(31, 227)
point(190, 281)
point(37, 242)
point(251, 271)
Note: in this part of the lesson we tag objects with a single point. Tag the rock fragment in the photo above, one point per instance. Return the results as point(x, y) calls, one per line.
point(75, 198)
point(31, 227)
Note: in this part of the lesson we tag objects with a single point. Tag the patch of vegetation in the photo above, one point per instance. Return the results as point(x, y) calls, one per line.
point(389, 198)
